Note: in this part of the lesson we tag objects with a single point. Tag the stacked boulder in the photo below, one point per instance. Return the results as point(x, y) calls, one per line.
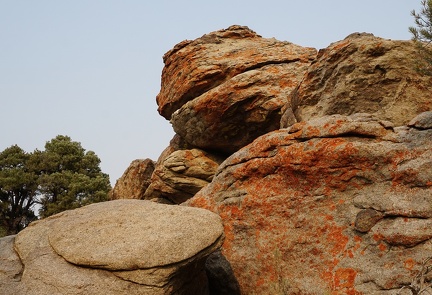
point(318, 163)
point(134, 181)
point(223, 90)
point(220, 92)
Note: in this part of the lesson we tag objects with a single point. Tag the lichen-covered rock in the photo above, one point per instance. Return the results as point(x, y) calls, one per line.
point(134, 181)
point(116, 247)
point(338, 204)
point(226, 88)
point(363, 73)
point(180, 175)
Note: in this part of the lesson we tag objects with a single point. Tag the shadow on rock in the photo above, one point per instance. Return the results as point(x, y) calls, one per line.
point(220, 276)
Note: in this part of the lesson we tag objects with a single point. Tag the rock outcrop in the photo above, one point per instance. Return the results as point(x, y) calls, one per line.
point(116, 247)
point(338, 201)
point(226, 88)
point(181, 174)
point(364, 73)
point(134, 181)
point(338, 204)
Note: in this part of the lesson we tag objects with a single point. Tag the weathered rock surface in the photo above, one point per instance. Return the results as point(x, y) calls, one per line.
point(226, 88)
point(116, 247)
point(10, 266)
point(134, 181)
point(338, 204)
point(180, 175)
point(363, 73)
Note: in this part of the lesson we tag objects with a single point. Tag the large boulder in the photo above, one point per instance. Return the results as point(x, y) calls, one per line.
point(226, 88)
point(134, 181)
point(11, 268)
point(116, 247)
point(335, 205)
point(364, 73)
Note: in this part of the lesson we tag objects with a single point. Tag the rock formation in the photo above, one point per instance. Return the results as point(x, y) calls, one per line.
point(337, 201)
point(116, 247)
point(364, 73)
point(134, 181)
point(223, 90)
point(337, 204)
point(181, 175)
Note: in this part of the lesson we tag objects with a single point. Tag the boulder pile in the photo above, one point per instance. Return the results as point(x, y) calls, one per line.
point(313, 167)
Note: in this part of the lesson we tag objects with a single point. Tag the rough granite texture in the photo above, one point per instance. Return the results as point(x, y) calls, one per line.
point(134, 181)
point(364, 73)
point(223, 90)
point(116, 247)
point(181, 174)
point(336, 204)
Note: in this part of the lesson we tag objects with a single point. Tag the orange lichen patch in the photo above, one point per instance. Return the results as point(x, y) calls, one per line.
point(232, 212)
point(329, 217)
point(312, 131)
point(336, 238)
point(378, 237)
point(335, 126)
point(229, 237)
point(201, 202)
point(409, 264)
point(260, 282)
point(382, 247)
point(344, 279)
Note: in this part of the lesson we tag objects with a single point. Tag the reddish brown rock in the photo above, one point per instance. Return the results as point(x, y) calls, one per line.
point(363, 73)
point(290, 200)
point(226, 88)
point(134, 181)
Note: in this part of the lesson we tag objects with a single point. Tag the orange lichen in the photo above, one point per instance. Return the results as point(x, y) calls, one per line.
point(382, 247)
point(409, 264)
point(344, 279)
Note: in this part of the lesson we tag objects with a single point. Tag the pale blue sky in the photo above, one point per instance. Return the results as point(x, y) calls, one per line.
point(91, 69)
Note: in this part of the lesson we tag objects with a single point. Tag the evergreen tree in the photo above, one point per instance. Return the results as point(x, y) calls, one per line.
point(18, 187)
point(422, 35)
point(70, 177)
point(63, 176)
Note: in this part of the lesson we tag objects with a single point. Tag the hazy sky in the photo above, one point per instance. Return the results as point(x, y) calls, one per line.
point(91, 69)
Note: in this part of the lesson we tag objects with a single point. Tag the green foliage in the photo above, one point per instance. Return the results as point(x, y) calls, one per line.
point(18, 186)
point(71, 177)
point(62, 177)
point(422, 35)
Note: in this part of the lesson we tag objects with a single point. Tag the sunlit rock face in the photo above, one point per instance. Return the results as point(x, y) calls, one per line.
point(116, 247)
point(226, 88)
point(337, 204)
point(134, 181)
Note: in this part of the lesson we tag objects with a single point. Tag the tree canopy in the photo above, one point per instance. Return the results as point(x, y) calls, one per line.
point(63, 176)
point(422, 35)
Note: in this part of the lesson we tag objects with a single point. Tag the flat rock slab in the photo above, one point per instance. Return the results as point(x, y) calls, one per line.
point(112, 248)
point(131, 234)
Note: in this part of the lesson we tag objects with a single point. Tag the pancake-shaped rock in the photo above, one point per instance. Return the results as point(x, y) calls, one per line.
point(133, 234)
